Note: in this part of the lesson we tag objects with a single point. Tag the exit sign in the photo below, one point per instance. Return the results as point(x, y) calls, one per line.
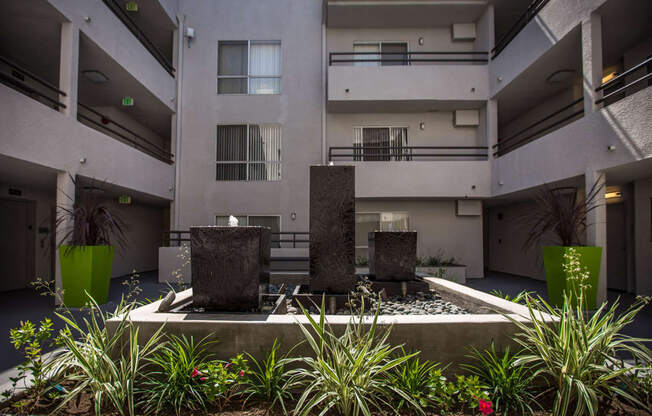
point(124, 199)
point(127, 101)
point(131, 6)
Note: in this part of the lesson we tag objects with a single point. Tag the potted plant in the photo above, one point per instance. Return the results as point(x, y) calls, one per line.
point(560, 214)
point(89, 229)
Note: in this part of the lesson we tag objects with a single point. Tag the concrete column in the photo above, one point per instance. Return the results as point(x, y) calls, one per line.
point(596, 231)
point(492, 126)
point(68, 67)
point(65, 198)
point(591, 60)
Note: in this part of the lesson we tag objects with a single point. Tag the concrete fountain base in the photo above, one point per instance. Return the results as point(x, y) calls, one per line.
point(440, 338)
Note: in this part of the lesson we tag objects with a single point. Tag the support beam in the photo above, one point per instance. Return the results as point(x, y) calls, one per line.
point(591, 61)
point(596, 231)
point(65, 198)
point(69, 67)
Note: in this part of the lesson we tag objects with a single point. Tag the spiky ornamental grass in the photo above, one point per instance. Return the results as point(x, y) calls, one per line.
point(579, 356)
point(110, 365)
point(348, 374)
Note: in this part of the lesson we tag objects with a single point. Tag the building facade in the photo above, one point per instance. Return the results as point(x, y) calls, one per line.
point(454, 114)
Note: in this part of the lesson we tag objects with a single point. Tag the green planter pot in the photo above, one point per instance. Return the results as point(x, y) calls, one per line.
point(553, 260)
point(85, 269)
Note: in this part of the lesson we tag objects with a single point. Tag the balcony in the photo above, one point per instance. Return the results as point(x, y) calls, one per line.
point(406, 153)
point(409, 81)
point(507, 28)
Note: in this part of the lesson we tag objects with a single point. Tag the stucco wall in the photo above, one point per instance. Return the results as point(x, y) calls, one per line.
point(133, 125)
point(439, 230)
point(297, 24)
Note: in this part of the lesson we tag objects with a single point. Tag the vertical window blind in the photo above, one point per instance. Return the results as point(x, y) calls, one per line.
point(249, 67)
point(248, 152)
point(380, 143)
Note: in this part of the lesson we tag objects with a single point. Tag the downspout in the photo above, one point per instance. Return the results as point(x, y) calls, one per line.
point(324, 70)
point(177, 165)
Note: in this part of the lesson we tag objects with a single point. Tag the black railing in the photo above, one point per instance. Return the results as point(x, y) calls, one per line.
point(408, 58)
point(123, 133)
point(119, 11)
point(175, 238)
point(406, 153)
point(539, 128)
point(17, 80)
point(532, 10)
point(616, 88)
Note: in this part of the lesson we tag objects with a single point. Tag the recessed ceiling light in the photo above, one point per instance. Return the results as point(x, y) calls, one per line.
point(563, 76)
point(95, 76)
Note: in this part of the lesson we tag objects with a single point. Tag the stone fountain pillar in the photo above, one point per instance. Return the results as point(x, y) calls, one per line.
point(393, 255)
point(230, 267)
point(332, 229)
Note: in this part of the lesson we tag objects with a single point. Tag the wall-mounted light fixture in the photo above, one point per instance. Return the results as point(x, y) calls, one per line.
point(293, 216)
point(422, 126)
point(612, 195)
point(190, 34)
point(420, 41)
point(611, 148)
point(82, 160)
point(87, 19)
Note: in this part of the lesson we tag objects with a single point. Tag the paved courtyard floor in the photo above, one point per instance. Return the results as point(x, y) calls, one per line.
point(26, 304)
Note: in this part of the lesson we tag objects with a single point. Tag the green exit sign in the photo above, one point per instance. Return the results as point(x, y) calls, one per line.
point(127, 101)
point(124, 199)
point(131, 6)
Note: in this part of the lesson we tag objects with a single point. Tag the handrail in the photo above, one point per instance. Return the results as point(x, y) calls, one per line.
point(503, 146)
point(620, 77)
point(168, 239)
point(403, 152)
point(532, 10)
point(32, 76)
point(140, 35)
point(153, 149)
point(408, 57)
point(24, 88)
point(614, 81)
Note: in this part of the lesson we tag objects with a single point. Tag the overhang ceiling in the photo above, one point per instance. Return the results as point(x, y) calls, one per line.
point(625, 23)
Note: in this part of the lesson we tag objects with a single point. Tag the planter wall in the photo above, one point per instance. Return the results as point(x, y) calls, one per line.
point(85, 269)
point(553, 260)
point(455, 273)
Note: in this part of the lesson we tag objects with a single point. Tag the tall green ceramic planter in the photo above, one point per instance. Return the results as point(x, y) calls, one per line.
point(85, 269)
point(553, 260)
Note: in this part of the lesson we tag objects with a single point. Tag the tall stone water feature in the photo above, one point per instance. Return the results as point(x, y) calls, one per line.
point(230, 267)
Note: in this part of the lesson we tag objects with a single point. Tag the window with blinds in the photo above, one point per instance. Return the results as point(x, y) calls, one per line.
point(249, 67)
point(248, 152)
point(380, 144)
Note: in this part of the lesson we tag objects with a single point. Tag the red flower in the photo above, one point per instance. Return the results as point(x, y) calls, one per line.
point(196, 373)
point(228, 365)
point(241, 373)
point(203, 379)
point(485, 407)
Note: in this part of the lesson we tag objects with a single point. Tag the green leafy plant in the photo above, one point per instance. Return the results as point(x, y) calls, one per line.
point(173, 382)
point(108, 364)
point(438, 260)
point(508, 384)
point(519, 298)
point(466, 392)
point(31, 340)
point(349, 373)
point(268, 380)
point(132, 286)
point(361, 261)
point(577, 354)
point(222, 382)
point(414, 377)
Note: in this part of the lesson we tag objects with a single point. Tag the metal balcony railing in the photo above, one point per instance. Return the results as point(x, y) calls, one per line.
point(294, 239)
point(408, 58)
point(406, 153)
point(540, 128)
point(124, 134)
point(25, 82)
point(532, 10)
point(616, 88)
point(119, 11)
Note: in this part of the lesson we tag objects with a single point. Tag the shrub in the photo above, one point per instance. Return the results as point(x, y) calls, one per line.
point(173, 381)
point(449, 396)
point(414, 377)
point(108, 365)
point(222, 382)
point(349, 373)
point(577, 355)
point(509, 385)
point(268, 380)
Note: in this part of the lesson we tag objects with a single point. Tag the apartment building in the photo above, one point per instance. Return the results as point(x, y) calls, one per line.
point(453, 112)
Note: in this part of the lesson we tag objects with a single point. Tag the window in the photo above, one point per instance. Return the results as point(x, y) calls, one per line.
point(380, 143)
point(249, 67)
point(248, 152)
point(366, 222)
point(270, 221)
point(389, 53)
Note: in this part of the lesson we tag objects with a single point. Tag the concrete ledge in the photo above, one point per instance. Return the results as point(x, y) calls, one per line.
point(440, 338)
point(455, 273)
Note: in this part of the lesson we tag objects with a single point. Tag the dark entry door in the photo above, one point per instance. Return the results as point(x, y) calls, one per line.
point(616, 247)
point(16, 244)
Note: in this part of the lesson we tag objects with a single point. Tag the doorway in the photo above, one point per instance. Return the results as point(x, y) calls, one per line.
point(616, 247)
point(17, 218)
